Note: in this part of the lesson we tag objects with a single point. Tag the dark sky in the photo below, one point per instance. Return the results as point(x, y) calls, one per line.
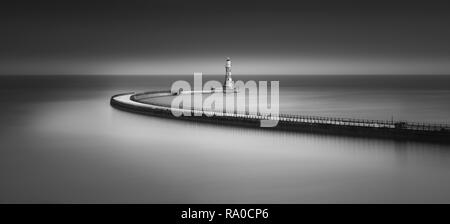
point(274, 37)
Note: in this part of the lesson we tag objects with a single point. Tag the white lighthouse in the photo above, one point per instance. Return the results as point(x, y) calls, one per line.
point(229, 84)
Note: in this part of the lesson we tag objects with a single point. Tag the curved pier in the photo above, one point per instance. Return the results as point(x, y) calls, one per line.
point(309, 124)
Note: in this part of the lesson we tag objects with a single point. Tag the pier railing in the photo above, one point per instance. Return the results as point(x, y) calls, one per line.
point(300, 119)
point(305, 119)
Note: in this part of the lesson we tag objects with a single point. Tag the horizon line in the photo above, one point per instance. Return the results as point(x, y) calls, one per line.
point(234, 75)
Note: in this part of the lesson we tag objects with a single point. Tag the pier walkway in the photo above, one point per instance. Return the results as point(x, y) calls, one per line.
point(137, 101)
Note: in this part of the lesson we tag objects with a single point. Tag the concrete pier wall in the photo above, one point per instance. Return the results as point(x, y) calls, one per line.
point(306, 124)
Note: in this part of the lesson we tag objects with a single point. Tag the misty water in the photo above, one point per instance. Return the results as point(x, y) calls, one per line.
point(61, 141)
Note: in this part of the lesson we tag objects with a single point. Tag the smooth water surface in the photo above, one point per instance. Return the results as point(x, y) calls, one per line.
point(61, 141)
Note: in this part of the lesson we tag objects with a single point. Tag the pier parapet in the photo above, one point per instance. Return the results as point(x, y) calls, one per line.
point(398, 130)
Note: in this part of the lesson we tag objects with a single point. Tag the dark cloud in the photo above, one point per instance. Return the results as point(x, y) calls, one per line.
point(80, 31)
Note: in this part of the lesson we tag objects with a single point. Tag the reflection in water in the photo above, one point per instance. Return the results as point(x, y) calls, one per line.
point(69, 145)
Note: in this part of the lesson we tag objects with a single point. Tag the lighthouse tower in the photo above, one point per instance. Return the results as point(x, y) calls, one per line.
point(229, 84)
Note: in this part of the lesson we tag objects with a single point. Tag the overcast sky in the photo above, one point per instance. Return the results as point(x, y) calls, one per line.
point(261, 37)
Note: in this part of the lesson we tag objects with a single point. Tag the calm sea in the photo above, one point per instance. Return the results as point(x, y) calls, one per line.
point(61, 141)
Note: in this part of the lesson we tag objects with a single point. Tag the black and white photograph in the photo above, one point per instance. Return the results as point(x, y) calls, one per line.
point(224, 102)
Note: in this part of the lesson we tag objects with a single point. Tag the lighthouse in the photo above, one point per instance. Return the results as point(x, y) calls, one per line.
point(228, 80)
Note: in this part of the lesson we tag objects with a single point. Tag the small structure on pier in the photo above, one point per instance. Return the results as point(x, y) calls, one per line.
point(228, 84)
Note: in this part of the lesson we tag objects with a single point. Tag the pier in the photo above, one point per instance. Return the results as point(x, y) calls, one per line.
point(400, 130)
